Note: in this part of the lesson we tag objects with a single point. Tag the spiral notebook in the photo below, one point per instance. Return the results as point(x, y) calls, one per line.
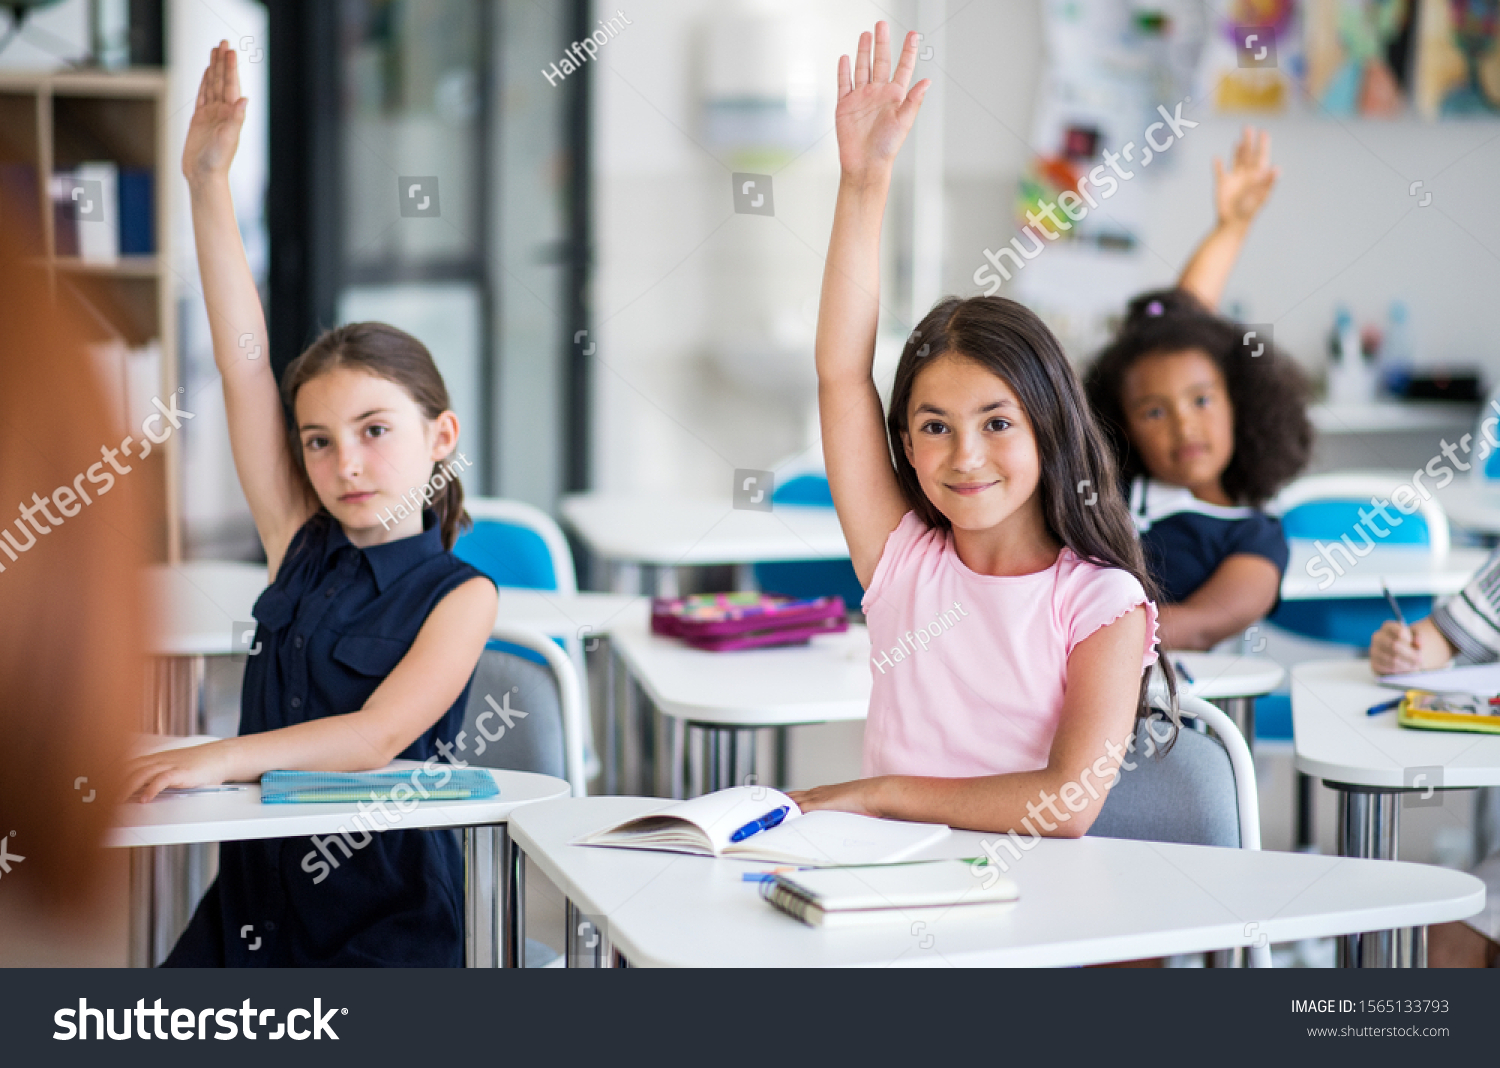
point(444, 783)
point(839, 897)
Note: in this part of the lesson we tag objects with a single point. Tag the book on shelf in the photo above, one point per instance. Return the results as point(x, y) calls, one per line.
point(102, 211)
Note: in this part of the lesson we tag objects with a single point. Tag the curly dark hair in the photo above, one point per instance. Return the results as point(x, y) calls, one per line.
point(1268, 393)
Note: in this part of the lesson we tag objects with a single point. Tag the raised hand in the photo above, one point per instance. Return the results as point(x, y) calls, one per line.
point(1241, 190)
point(214, 133)
point(875, 109)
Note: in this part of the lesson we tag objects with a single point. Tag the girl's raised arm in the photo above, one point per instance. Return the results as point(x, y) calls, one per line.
point(257, 430)
point(1239, 194)
point(875, 111)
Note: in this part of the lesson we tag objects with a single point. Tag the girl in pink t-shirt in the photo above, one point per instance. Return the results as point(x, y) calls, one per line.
point(1005, 590)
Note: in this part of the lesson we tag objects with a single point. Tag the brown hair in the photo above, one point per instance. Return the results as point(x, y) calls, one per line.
point(72, 620)
point(386, 352)
point(1268, 393)
point(1080, 491)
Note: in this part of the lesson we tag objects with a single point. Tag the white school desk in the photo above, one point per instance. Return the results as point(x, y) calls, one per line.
point(1472, 504)
point(239, 815)
point(1086, 901)
point(1408, 570)
point(724, 693)
point(1370, 761)
point(193, 609)
point(1231, 681)
point(626, 531)
point(196, 605)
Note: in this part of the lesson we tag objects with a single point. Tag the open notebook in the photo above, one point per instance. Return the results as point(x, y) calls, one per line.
point(706, 825)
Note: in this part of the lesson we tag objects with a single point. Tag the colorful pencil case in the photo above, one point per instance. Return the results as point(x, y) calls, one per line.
point(725, 621)
point(446, 783)
point(1447, 712)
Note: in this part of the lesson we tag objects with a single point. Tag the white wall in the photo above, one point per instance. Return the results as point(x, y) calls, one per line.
point(1340, 227)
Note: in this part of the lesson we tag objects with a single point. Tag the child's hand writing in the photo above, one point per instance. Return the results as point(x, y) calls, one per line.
point(1392, 650)
point(193, 765)
point(875, 110)
point(1241, 191)
point(214, 133)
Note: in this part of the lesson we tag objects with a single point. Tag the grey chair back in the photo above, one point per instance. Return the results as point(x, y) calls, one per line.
point(506, 685)
point(1187, 795)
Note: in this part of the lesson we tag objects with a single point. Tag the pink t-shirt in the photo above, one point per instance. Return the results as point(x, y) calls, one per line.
point(970, 669)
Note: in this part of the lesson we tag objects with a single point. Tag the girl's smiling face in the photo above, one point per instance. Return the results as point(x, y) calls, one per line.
point(971, 444)
point(366, 445)
point(1178, 415)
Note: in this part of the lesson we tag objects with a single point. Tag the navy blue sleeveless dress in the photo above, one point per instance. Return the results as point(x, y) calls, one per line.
point(331, 627)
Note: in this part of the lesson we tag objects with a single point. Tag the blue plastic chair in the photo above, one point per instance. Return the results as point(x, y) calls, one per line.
point(1326, 508)
point(522, 547)
point(809, 578)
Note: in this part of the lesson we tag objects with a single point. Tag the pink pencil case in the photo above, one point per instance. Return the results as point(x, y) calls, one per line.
point(725, 621)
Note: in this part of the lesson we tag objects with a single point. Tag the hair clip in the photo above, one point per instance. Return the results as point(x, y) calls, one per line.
point(1154, 308)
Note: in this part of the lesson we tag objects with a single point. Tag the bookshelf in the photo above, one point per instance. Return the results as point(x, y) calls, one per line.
point(51, 122)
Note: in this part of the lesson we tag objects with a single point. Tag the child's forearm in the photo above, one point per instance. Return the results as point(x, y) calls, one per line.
point(849, 307)
point(1001, 803)
point(352, 742)
point(1208, 270)
point(234, 308)
point(1186, 626)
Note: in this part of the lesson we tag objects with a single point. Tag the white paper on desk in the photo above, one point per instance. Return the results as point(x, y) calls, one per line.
point(1482, 680)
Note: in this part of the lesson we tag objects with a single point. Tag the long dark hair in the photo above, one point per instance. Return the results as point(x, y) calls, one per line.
point(1079, 486)
point(386, 352)
point(1268, 393)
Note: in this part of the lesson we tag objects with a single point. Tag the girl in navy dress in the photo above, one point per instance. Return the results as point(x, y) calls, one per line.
point(369, 633)
point(1208, 422)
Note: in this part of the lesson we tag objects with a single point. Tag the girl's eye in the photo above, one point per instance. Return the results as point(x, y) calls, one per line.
point(1202, 400)
point(376, 430)
point(314, 443)
point(997, 423)
point(932, 426)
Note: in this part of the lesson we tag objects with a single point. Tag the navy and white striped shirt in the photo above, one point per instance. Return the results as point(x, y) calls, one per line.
point(1470, 619)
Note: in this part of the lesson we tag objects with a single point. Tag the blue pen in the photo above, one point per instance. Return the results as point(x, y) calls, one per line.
point(765, 823)
point(1184, 672)
point(1384, 706)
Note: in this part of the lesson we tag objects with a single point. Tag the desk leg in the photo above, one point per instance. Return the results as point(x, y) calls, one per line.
point(612, 671)
point(1411, 947)
point(1242, 711)
point(1306, 814)
point(139, 951)
point(510, 873)
point(585, 945)
point(1368, 825)
point(174, 699)
point(471, 897)
point(677, 755)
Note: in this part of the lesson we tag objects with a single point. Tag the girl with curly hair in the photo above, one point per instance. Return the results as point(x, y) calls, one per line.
point(1208, 422)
